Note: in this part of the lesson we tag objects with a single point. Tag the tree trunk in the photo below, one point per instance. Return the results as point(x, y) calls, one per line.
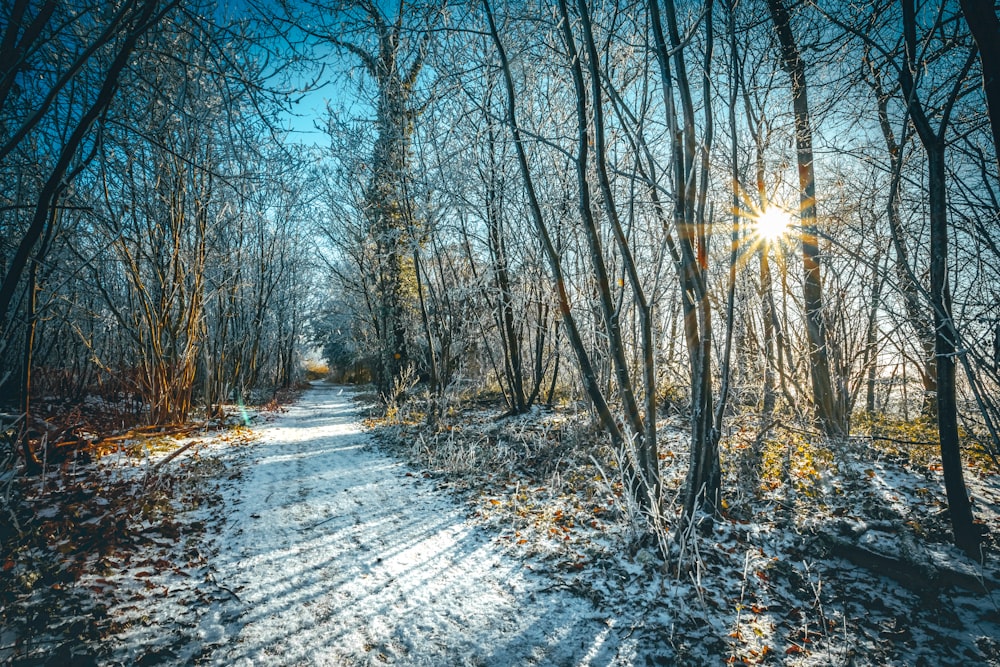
point(388, 204)
point(589, 377)
point(966, 533)
point(871, 336)
point(513, 365)
point(769, 317)
point(702, 487)
point(435, 388)
point(828, 402)
point(644, 429)
point(985, 27)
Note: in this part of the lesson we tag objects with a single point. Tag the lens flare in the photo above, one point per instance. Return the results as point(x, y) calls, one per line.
point(772, 224)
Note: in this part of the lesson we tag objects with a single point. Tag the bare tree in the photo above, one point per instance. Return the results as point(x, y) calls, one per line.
point(76, 59)
point(103, 53)
point(391, 47)
point(689, 184)
point(588, 373)
point(828, 399)
point(966, 532)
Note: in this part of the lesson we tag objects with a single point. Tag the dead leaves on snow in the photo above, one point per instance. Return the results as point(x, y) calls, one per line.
point(95, 537)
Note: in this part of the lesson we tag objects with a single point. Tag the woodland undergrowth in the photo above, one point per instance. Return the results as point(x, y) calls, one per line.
point(782, 576)
point(104, 506)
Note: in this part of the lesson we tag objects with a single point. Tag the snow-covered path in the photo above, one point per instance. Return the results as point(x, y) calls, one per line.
point(337, 555)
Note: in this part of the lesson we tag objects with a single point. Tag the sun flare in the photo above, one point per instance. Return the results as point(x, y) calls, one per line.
point(772, 224)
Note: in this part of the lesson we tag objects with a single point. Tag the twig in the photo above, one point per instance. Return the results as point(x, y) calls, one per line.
point(320, 523)
point(902, 442)
point(209, 577)
point(228, 590)
point(777, 423)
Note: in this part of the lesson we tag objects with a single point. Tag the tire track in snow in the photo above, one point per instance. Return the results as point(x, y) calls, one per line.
point(340, 558)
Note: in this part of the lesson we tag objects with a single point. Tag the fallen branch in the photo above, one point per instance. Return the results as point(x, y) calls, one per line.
point(921, 578)
point(899, 441)
point(173, 455)
point(150, 431)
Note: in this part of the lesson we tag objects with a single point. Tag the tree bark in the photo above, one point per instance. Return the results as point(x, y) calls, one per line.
point(827, 400)
point(966, 533)
point(985, 27)
point(702, 487)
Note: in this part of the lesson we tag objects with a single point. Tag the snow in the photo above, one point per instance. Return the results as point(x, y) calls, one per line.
point(333, 553)
point(306, 540)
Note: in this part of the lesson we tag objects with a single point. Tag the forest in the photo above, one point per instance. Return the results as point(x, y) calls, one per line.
point(682, 315)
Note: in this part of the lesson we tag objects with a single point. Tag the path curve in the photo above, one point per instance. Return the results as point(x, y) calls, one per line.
point(337, 554)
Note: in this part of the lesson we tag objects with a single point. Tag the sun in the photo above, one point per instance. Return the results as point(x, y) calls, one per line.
point(772, 224)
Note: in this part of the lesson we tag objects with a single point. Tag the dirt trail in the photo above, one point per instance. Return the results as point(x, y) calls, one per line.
point(336, 554)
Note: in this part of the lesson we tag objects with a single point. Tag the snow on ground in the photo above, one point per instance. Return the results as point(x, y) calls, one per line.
point(331, 553)
point(762, 584)
point(501, 543)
